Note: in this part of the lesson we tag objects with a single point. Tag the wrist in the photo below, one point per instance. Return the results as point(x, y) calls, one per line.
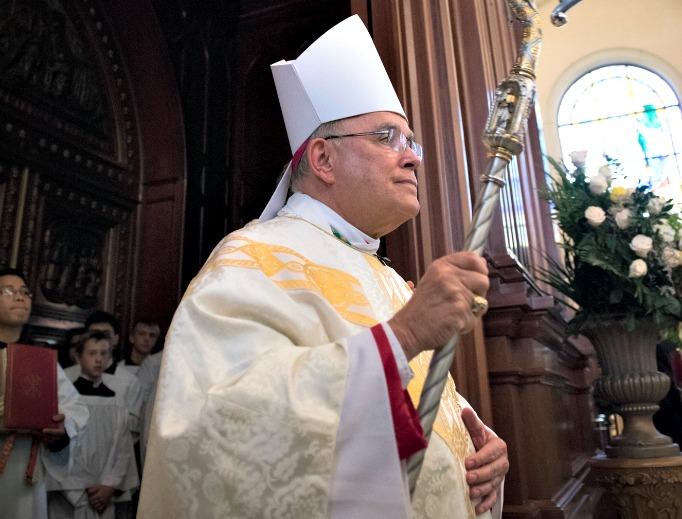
point(406, 339)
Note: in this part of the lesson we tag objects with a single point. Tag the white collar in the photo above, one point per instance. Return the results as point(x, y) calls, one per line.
point(307, 208)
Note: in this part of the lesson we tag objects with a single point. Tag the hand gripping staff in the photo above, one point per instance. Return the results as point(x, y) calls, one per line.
point(503, 137)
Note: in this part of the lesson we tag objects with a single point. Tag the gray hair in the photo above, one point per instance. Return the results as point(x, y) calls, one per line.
point(323, 130)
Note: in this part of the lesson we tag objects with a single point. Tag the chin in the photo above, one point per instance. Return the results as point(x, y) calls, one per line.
point(411, 210)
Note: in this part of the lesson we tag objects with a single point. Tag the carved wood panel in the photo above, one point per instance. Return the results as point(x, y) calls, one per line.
point(73, 247)
point(69, 155)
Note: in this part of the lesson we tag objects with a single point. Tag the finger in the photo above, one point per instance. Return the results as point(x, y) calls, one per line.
point(494, 449)
point(468, 261)
point(52, 432)
point(485, 485)
point(494, 471)
point(486, 503)
point(472, 422)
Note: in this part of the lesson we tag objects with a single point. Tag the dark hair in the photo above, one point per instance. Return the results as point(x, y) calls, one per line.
point(8, 271)
point(146, 320)
point(100, 316)
point(71, 333)
point(97, 335)
point(63, 353)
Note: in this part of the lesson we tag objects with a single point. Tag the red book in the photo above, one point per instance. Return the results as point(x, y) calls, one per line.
point(30, 388)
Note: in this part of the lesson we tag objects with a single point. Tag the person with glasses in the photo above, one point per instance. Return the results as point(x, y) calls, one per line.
point(292, 360)
point(31, 454)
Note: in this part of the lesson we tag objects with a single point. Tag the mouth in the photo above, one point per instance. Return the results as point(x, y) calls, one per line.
point(410, 181)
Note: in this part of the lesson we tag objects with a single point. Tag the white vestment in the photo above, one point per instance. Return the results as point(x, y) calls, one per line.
point(19, 500)
point(147, 376)
point(272, 400)
point(128, 393)
point(132, 368)
point(105, 456)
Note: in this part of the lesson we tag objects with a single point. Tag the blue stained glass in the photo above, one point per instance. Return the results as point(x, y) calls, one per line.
point(631, 114)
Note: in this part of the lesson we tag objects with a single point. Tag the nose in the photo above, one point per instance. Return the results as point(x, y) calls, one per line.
point(410, 159)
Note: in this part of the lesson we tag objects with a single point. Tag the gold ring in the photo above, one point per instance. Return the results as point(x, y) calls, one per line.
point(479, 305)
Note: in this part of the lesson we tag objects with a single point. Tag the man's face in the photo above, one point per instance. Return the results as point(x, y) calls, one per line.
point(95, 357)
point(375, 187)
point(14, 309)
point(144, 337)
point(108, 329)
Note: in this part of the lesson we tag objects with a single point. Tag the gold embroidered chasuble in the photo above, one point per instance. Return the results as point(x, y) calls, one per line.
point(254, 375)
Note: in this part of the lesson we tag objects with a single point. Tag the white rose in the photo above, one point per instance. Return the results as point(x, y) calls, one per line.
point(598, 184)
point(638, 268)
point(672, 257)
point(606, 172)
point(642, 245)
point(622, 218)
point(666, 232)
point(655, 205)
point(578, 158)
point(595, 215)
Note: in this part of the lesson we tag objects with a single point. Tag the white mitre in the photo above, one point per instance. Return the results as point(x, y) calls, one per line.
point(340, 75)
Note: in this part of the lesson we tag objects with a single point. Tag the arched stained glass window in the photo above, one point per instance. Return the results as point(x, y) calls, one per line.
point(632, 115)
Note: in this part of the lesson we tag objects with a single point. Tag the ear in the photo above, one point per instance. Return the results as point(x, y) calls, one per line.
point(320, 160)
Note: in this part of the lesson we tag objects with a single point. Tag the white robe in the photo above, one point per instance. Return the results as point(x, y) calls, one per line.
point(273, 401)
point(128, 393)
point(132, 368)
point(130, 396)
point(148, 376)
point(19, 500)
point(105, 456)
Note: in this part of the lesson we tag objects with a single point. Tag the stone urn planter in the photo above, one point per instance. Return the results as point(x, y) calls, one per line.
point(630, 382)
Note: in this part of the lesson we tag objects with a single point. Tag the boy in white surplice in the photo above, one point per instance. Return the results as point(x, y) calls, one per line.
point(104, 462)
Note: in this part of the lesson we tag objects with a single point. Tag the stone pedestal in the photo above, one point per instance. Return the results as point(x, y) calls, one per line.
point(641, 488)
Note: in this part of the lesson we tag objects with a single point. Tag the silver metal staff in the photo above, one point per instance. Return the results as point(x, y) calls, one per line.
point(503, 137)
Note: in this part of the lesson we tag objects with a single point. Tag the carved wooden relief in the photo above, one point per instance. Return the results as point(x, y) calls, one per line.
point(648, 488)
point(80, 237)
point(71, 266)
point(69, 153)
point(46, 60)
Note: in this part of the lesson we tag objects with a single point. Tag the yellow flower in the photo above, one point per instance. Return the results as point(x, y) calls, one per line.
point(618, 194)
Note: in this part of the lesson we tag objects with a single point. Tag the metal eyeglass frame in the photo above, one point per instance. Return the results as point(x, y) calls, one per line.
point(12, 292)
point(400, 145)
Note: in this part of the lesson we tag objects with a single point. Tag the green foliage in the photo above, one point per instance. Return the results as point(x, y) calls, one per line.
point(622, 248)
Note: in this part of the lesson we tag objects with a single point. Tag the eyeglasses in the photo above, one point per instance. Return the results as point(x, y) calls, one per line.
point(10, 292)
point(396, 139)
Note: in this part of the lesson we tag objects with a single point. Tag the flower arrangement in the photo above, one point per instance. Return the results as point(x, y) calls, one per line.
point(622, 248)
